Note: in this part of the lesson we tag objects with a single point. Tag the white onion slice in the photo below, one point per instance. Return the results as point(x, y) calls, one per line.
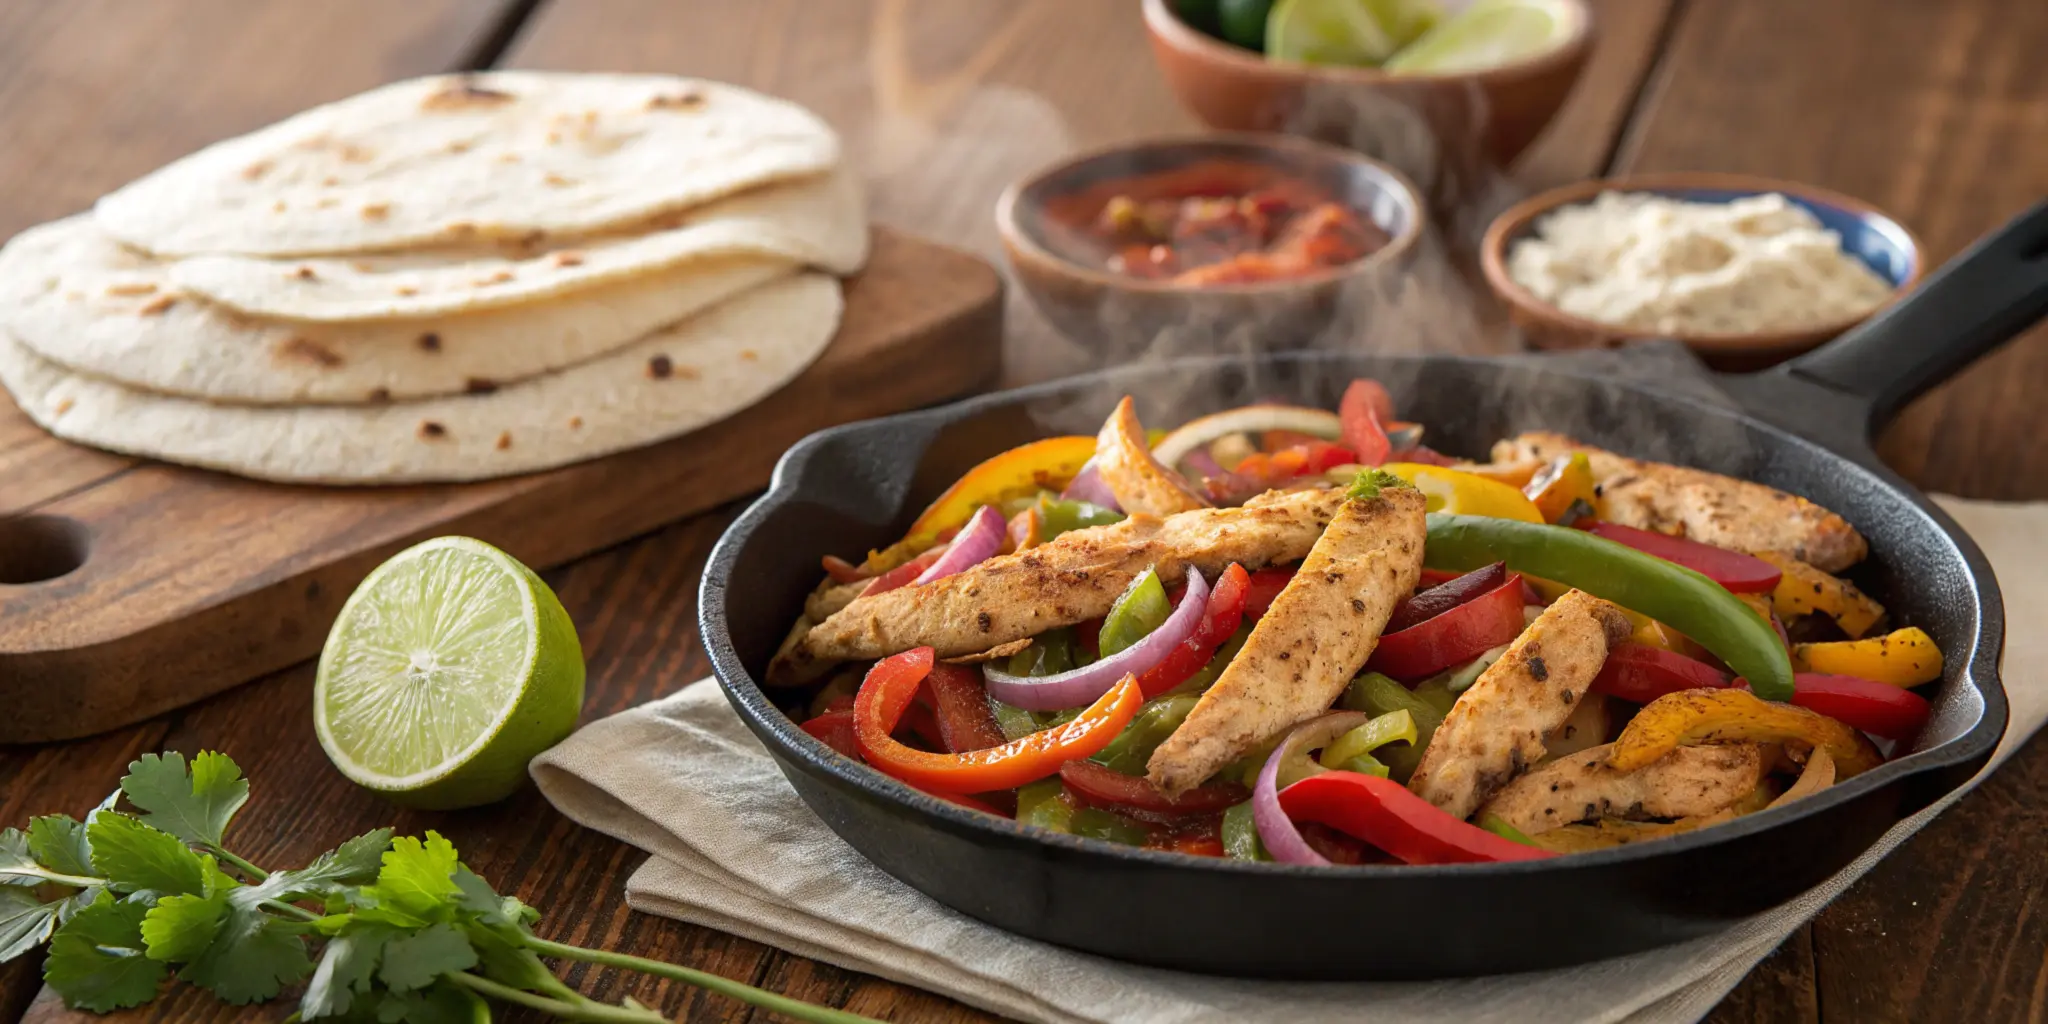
point(1193, 434)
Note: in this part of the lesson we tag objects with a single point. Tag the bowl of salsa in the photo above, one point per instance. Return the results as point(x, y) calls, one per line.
point(1208, 234)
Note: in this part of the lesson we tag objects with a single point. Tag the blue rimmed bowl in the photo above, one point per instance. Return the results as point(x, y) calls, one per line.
point(1877, 239)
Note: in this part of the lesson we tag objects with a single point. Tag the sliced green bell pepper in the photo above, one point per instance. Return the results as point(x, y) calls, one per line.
point(1377, 733)
point(1366, 764)
point(1241, 835)
point(1133, 747)
point(1205, 677)
point(1096, 823)
point(1499, 826)
point(1379, 695)
point(1678, 597)
point(1139, 611)
point(1057, 516)
point(1039, 803)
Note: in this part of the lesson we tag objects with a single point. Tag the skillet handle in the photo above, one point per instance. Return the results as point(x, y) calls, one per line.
point(1970, 306)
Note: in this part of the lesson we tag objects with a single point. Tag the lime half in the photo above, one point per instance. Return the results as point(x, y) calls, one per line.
point(450, 667)
point(1327, 32)
point(1488, 34)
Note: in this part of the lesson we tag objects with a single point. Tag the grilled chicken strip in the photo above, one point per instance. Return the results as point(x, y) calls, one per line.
point(1073, 578)
point(1686, 782)
point(1706, 507)
point(1496, 729)
point(1124, 461)
point(1319, 632)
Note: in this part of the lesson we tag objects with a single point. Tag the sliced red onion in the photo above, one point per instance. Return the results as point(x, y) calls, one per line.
point(1087, 486)
point(1246, 419)
point(1080, 687)
point(1276, 830)
point(1203, 463)
point(981, 537)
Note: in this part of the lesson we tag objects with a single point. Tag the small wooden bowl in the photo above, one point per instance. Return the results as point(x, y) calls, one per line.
point(1881, 242)
point(1500, 109)
point(1125, 316)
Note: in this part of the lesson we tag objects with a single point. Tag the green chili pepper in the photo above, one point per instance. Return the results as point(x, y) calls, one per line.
point(1241, 835)
point(1376, 694)
point(1461, 680)
point(1385, 729)
point(1039, 803)
point(1366, 764)
point(1057, 516)
point(1139, 611)
point(1678, 597)
point(1133, 747)
point(1499, 826)
point(1096, 823)
point(1205, 677)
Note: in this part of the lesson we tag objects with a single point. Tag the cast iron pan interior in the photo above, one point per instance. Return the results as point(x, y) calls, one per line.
point(846, 490)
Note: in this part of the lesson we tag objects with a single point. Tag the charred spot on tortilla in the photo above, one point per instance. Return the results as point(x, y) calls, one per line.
point(660, 367)
point(430, 342)
point(575, 423)
point(132, 288)
point(309, 351)
point(158, 305)
point(380, 395)
point(556, 180)
point(376, 211)
point(305, 273)
point(257, 170)
point(749, 355)
point(687, 100)
point(479, 385)
point(500, 277)
point(406, 291)
point(568, 258)
point(430, 430)
point(64, 405)
point(504, 440)
point(465, 94)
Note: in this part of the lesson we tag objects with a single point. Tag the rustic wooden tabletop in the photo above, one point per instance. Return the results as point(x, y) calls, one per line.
point(1935, 112)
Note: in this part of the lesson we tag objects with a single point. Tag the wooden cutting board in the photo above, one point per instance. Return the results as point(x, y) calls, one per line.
point(129, 587)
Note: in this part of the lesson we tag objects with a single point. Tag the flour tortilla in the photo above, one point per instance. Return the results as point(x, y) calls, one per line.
point(819, 221)
point(454, 158)
point(81, 300)
point(717, 363)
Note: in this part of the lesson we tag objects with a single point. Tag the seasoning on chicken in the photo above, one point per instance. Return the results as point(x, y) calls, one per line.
point(1124, 461)
point(1318, 633)
point(1075, 577)
point(1496, 729)
point(1706, 507)
point(1686, 782)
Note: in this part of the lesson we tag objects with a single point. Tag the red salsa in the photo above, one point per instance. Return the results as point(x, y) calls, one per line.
point(1219, 223)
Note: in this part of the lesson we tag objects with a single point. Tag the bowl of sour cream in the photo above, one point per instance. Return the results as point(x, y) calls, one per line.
point(1746, 271)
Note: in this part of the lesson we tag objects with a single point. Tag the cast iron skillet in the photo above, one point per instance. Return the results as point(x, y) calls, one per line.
point(856, 487)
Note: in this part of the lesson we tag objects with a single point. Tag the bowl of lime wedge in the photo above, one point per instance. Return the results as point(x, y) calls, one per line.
point(1383, 76)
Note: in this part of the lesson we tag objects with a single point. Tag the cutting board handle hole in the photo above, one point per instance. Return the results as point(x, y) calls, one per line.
point(38, 548)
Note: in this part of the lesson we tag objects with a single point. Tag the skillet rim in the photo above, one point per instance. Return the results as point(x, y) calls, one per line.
point(765, 720)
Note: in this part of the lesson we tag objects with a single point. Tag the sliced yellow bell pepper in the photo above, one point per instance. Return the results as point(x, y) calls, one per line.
point(1691, 717)
point(1805, 590)
point(1651, 633)
point(1905, 657)
point(1567, 479)
point(1466, 494)
point(1020, 472)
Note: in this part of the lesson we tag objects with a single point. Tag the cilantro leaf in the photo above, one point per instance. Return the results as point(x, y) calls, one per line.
point(507, 962)
point(252, 956)
point(480, 899)
point(59, 842)
point(194, 806)
point(24, 921)
point(96, 960)
point(352, 863)
point(133, 856)
point(17, 865)
point(347, 969)
point(417, 878)
point(179, 928)
point(413, 962)
point(442, 1004)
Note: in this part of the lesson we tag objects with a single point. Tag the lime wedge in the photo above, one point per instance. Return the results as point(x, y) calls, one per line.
point(1327, 32)
point(1488, 34)
point(450, 667)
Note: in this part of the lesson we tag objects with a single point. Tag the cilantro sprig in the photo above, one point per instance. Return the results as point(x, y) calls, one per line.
point(379, 929)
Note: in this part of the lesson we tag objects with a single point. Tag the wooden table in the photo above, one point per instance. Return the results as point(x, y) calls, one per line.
point(1937, 112)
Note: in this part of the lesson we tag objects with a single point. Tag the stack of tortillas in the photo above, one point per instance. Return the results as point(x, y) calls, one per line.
point(447, 278)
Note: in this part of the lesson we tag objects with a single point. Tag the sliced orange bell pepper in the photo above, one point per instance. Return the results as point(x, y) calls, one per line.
point(1566, 479)
point(1690, 717)
point(1019, 472)
point(893, 684)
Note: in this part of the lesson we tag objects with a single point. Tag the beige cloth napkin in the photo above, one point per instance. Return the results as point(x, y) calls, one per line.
point(734, 849)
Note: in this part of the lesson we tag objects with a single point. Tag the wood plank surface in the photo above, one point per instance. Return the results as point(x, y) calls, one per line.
point(198, 581)
point(1937, 113)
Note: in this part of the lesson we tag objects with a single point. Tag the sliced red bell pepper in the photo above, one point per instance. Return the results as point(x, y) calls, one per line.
point(1424, 455)
point(903, 574)
point(921, 724)
point(1459, 635)
point(1335, 846)
point(1384, 813)
point(835, 730)
point(842, 571)
point(892, 686)
point(1100, 784)
point(1424, 605)
point(1261, 471)
point(960, 704)
point(970, 803)
point(1740, 573)
point(1200, 842)
point(1280, 440)
point(1361, 413)
point(1879, 709)
point(1264, 586)
point(1220, 619)
point(1639, 673)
